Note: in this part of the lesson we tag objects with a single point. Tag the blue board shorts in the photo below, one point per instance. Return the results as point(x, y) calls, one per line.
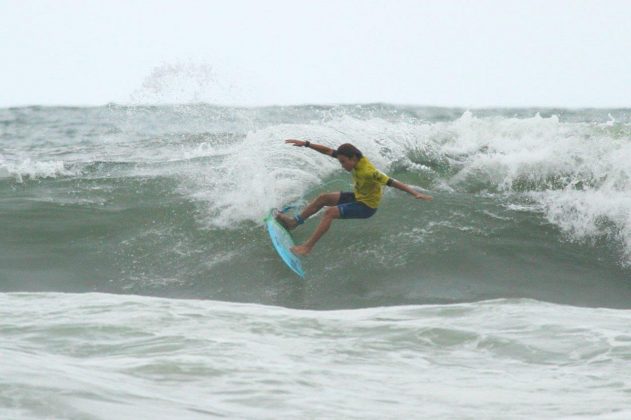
point(350, 208)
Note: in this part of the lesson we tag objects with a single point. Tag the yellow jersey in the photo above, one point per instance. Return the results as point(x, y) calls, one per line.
point(368, 183)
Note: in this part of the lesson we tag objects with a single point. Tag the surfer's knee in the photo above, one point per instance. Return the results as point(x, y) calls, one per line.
point(322, 199)
point(332, 212)
point(328, 199)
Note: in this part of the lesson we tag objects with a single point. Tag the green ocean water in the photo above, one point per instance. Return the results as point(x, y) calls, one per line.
point(168, 201)
point(137, 279)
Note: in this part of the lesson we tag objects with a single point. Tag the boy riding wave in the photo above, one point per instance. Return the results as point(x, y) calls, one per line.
point(361, 203)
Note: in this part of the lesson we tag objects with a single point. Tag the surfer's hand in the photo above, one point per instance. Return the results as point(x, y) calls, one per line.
point(298, 143)
point(421, 196)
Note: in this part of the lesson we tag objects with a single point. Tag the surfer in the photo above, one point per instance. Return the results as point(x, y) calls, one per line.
point(362, 203)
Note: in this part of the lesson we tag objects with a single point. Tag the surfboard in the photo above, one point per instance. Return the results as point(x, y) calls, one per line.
point(282, 241)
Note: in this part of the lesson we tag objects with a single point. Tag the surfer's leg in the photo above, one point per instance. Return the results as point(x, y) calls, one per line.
point(329, 199)
point(329, 215)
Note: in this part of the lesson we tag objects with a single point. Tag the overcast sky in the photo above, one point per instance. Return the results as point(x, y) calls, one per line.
point(450, 53)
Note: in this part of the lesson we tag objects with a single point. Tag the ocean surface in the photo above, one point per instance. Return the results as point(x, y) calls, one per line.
point(137, 280)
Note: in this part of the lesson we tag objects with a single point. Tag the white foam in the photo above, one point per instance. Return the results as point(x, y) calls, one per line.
point(577, 174)
point(257, 174)
point(34, 169)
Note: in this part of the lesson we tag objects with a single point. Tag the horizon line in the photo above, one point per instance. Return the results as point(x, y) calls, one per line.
point(305, 104)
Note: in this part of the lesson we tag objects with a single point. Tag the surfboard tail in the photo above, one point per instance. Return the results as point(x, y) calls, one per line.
point(283, 242)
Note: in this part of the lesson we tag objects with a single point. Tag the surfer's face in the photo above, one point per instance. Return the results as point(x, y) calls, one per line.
point(347, 163)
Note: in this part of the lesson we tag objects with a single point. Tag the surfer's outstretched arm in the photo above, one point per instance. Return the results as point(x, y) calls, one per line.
point(317, 147)
point(404, 187)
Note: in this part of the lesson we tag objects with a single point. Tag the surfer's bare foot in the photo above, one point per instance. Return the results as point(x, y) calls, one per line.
point(301, 250)
point(287, 221)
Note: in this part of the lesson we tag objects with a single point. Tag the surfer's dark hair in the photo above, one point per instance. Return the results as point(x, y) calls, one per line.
point(349, 151)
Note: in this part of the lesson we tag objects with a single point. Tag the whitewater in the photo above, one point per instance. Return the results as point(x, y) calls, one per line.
point(136, 278)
